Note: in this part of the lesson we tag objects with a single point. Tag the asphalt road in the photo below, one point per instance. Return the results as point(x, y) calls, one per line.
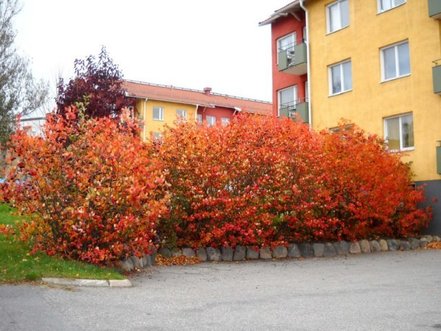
point(383, 291)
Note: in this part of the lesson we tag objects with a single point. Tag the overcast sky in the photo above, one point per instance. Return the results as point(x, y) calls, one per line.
point(193, 43)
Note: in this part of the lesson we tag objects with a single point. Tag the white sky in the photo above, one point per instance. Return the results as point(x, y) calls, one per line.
point(193, 43)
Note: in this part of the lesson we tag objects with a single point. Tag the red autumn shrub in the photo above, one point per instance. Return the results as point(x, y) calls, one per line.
point(92, 191)
point(263, 181)
point(371, 189)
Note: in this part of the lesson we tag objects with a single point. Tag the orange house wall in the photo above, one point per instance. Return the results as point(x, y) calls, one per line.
point(281, 80)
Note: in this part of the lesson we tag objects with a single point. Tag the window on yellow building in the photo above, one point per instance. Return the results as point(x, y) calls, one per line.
point(384, 5)
point(158, 113)
point(181, 115)
point(395, 61)
point(340, 78)
point(398, 132)
point(157, 136)
point(211, 120)
point(337, 15)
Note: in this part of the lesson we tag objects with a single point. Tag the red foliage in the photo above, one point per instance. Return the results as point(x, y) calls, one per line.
point(92, 191)
point(262, 181)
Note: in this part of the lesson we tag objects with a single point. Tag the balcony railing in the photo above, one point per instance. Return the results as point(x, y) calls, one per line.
point(436, 72)
point(293, 60)
point(435, 9)
point(295, 110)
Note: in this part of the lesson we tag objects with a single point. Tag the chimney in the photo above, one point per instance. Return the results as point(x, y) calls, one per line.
point(207, 90)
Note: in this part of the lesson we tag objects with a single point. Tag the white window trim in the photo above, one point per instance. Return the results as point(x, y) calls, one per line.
point(402, 149)
point(328, 18)
point(161, 118)
point(294, 87)
point(397, 64)
point(379, 11)
point(342, 78)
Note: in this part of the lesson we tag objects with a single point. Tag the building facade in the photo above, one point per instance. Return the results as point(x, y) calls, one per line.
point(160, 105)
point(377, 64)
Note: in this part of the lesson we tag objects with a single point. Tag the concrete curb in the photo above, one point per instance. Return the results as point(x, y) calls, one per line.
point(88, 282)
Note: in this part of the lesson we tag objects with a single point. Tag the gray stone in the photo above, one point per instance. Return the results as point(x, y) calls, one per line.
point(365, 246)
point(318, 249)
point(202, 254)
point(423, 242)
point(306, 250)
point(375, 246)
point(354, 247)
point(393, 244)
point(329, 250)
point(165, 252)
point(252, 253)
point(137, 262)
point(240, 252)
point(404, 245)
point(429, 238)
point(91, 283)
point(213, 254)
point(280, 252)
point(341, 247)
point(188, 252)
point(176, 252)
point(293, 250)
point(436, 238)
point(126, 265)
point(265, 253)
point(414, 243)
point(120, 283)
point(148, 260)
point(227, 253)
point(383, 245)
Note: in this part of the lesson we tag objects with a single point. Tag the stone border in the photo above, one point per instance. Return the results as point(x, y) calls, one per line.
point(88, 282)
point(302, 250)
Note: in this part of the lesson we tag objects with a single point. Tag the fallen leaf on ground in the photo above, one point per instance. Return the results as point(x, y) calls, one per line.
point(176, 260)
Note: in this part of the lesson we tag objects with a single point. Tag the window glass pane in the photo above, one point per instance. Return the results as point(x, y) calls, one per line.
point(389, 63)
point(211, 120)
point(385, 5)
point(286, 97)
point(347, 79)
point(181, 114)
point(344, 12)
point(199, 118)
point(393, 133)
point(157, 113)
point(403, 59)
point(334, 17)
point(407, 131)
point(336, 79)
point(286, 42)
point(225, 121)
point(399, 2)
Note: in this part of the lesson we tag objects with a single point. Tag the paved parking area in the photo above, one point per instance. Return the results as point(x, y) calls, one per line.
point(384, 291)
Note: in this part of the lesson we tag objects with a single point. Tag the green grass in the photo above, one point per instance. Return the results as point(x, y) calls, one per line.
point(18, 265)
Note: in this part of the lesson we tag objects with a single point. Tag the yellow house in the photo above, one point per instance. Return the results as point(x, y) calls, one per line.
point(376, 63)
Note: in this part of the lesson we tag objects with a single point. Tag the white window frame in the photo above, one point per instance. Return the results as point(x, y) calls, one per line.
point(397, 63)
point(225, 121)
point(199, 118)
point(182, 116)
point(394, 5)
point(328, 16)
point(208, 120)
point(295, 97)
point(161, 114)
point(292, 35)
point(400, 126)
point(331, 93)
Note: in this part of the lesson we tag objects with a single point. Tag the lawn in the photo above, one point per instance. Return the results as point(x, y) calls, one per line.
point(17, 265)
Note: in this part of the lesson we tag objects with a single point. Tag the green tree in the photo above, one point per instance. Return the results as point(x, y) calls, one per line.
point(20, 93)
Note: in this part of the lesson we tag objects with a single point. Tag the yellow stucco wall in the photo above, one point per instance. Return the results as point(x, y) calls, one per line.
point(145, 111)
point(371, 100)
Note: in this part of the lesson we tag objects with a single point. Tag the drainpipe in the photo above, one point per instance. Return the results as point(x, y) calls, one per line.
point(308, 65)
point(144, 111)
